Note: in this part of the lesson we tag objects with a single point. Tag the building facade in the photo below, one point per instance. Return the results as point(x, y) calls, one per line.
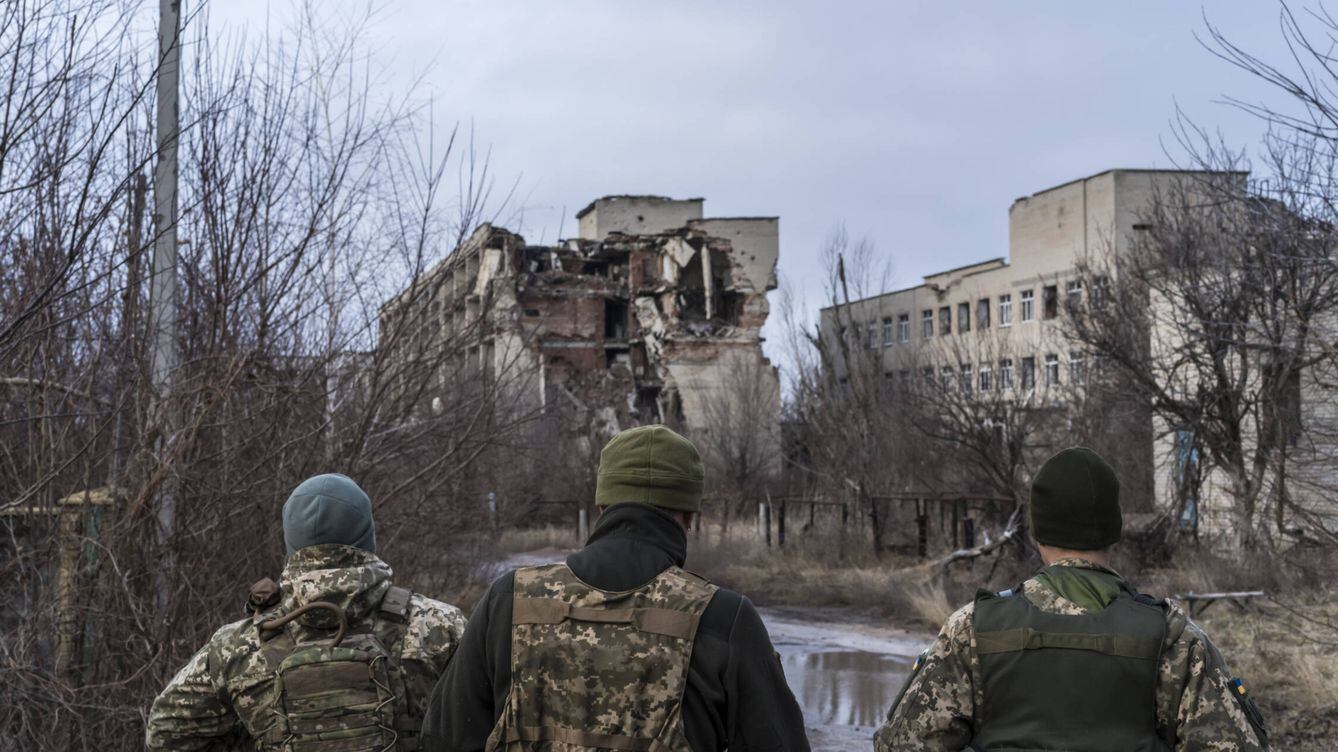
point(996, 329)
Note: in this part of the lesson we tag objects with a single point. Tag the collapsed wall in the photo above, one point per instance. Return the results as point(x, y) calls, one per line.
point(652, 315)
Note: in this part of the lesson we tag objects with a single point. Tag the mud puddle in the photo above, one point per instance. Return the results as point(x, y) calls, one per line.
point(844, 671)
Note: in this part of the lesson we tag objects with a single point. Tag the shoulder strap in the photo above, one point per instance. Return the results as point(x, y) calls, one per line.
point(263, 595)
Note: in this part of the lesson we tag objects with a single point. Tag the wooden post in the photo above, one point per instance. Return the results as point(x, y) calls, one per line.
point(761, 519)
point(969, 533)
point(956, 523)
point(766, 520)
point(922, 529)
point(780, 525)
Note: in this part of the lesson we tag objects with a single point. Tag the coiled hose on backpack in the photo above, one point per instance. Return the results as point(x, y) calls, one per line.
point(278, 623)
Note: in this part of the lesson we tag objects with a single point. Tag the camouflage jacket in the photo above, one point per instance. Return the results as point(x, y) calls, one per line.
point(223, 692)
point(1196, 699)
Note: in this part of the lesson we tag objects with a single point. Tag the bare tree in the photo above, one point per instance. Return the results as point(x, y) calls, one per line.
point(310, 197)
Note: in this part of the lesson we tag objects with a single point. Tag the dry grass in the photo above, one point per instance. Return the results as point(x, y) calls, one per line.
point(828, 570)
point(520, 540)
point(1284, 647)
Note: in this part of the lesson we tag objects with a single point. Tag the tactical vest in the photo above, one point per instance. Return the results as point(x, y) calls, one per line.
point(594, 670)
point(1069, 682)
point(343, 694)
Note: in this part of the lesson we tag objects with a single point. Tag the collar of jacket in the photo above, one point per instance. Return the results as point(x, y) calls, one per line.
point(1081, 563)
point(642, 523)
point(349, 577)
point(1082, 582)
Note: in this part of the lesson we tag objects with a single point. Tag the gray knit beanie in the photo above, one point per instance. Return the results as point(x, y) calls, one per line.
point(328, 508)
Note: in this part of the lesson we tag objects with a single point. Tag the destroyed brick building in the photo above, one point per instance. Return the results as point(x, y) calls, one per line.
point(647, 317)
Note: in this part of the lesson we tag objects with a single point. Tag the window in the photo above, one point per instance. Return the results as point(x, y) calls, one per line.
point(1028, 306)
point(873, 335)
point(1051, 369)
point(1050, 301)
point(1076, 368)
point(928, 375)
point(887, 332)
point(1100, 290)
point(986, 379)
point(1005, 310)
point(1073, 294)
point(1006, 373)
point(983, 313)
point(965, 378)
point(904, 378)
point(926, 323)
point(904, 327)
point(1028, 375)
point(963, 317)
point(945, 378)
point(945, 321)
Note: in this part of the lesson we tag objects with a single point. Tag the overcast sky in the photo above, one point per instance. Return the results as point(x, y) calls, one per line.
point(914, 123)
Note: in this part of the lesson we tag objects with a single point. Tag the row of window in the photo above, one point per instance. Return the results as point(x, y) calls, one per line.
point(966, 378)
point(1026, 314)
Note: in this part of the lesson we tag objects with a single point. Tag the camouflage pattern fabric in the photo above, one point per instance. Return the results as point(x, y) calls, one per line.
point(227, 689)
point(1197, 704)
point(591, 669)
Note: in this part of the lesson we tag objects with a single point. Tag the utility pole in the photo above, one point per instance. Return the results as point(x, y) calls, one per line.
point(163, 283)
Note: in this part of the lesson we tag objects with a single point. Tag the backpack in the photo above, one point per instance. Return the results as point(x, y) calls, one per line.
point(345, 694)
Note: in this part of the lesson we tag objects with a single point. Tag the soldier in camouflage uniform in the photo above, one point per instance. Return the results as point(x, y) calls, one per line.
point(291, 676)
point(1073, 658)
point(619, 647)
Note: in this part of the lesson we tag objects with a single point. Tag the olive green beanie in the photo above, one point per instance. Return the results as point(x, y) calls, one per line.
point(1075, 502)
point(652, 465)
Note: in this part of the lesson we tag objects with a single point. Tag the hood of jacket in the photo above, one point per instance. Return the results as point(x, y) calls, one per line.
point(349, 577)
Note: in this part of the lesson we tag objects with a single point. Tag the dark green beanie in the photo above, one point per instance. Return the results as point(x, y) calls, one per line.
point(1075, 502)
point(652, 465)
point(328, 508)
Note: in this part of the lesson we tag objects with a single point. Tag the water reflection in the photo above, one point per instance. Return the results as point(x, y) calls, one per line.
point(844, 687)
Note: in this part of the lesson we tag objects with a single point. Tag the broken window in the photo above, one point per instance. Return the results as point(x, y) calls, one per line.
point(983, 313)
point(1051, 369)
point(963, 317)
point(615, 319)
point(944, 321)
point(1028, 375)
point(1050, 301)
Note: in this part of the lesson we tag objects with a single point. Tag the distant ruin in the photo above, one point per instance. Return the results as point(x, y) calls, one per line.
point(643, 318)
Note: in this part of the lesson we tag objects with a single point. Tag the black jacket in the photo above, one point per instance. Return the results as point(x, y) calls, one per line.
point(736, 697)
